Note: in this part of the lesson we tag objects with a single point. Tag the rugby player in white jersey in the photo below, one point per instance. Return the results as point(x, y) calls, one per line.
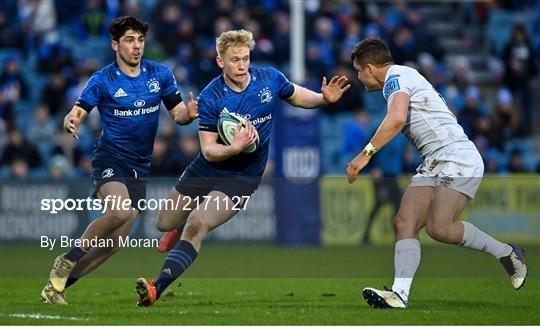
point(447, 179)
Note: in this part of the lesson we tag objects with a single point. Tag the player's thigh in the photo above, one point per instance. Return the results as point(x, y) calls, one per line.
point(113, 194)
point(446, 206)
point(413, 211)
point(215, 210)
point(175, 211)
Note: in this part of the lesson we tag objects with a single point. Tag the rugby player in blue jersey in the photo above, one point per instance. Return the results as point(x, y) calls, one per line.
point(127, 94)
point(222, 177)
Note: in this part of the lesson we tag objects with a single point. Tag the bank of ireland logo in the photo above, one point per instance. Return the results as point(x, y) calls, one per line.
point(265, 95)
point(139, 103)
point(107, 173)
point(153, 85)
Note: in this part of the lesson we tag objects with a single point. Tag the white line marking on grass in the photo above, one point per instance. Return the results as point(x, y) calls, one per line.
point(41, 316)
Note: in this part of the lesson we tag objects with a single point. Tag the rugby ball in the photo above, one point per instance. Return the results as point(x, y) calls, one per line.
point(226, 127)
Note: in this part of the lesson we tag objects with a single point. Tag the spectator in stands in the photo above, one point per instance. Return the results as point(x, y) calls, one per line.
point(314, 61)
point(10, 35)
point(520, 69)
point(410, 160)
point(42, 129)
point(516, 164)
point(6, 111)
point(18, 168)
point(324, 39)
point(12, 83)
point(472, 111)
point(59, 167)
point(505, 119)
point(93, 20)
point(352, 100)
point(13, 88)
point(54, 93)
point(386, 169)
point(162, 161)
point(355, 136)
point(281, 37)
point(170, 15)
point(403, 45)
point(39, 17)
point(187, 148)
point(19, 148)
point(84, 169)
point(54, 56)
point(64, 145)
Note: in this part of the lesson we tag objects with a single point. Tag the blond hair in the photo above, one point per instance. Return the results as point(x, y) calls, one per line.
point(230, 39)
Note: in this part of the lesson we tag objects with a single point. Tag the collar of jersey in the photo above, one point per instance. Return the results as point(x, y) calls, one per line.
point(247, 86)
point(126, 75)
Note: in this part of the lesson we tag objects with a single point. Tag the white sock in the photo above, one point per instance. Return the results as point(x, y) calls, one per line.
point(473, 238)
point(406, 261)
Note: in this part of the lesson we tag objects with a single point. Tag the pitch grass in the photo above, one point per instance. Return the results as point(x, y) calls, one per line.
point(262, 284)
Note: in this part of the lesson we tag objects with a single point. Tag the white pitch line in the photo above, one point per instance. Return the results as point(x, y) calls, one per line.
point(41, 316)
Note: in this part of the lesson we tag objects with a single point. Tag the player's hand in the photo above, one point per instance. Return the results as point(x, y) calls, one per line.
point(333, 91)
point(71, 124)
point(192, 107)
point(356, 165)
point(244, 135)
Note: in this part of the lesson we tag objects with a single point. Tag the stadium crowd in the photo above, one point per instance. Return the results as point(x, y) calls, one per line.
point(50, 48)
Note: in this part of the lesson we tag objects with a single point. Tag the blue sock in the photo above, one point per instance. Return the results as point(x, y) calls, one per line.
point(178, 261)
point(75, 254)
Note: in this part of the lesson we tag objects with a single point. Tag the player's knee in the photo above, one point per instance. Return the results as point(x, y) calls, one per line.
point(401, 224)
point(195, 228)
point(164, 225)
point(119, 217)
point(436, 230)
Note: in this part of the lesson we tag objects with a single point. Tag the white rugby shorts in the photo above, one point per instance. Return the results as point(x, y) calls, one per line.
point(458, 169)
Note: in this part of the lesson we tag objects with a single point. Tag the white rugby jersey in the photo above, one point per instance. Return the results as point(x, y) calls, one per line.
point(431, 127)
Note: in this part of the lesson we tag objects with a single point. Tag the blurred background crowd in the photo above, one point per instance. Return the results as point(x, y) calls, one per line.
point(482, 57)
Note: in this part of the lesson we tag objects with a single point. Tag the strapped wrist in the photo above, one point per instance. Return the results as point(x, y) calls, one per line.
point(369, 150)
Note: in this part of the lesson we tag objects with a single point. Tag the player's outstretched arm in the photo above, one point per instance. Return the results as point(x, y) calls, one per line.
point(73, 119)
point(391, 125)
point(215, 152)
point(184, 114)
point(330, 93)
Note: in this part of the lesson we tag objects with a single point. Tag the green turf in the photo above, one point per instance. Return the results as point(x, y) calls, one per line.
point(265, 285)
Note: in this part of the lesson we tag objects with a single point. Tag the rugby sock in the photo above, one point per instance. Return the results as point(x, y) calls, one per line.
point(71, 281)
point(473, 238)
point(406, 261)
point(178, 261)
point(75, 254)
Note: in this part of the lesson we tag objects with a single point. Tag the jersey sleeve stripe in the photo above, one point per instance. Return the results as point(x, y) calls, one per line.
point(172, 100)
point(208, 128)
point(86, 106)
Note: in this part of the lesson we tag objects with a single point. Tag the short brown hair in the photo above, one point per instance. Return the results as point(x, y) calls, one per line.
point(372, 51)
point(234, 38)
point(119, 26)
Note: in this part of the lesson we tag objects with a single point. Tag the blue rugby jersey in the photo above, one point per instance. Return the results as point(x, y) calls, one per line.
point(129, 110)
point(255, 103)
